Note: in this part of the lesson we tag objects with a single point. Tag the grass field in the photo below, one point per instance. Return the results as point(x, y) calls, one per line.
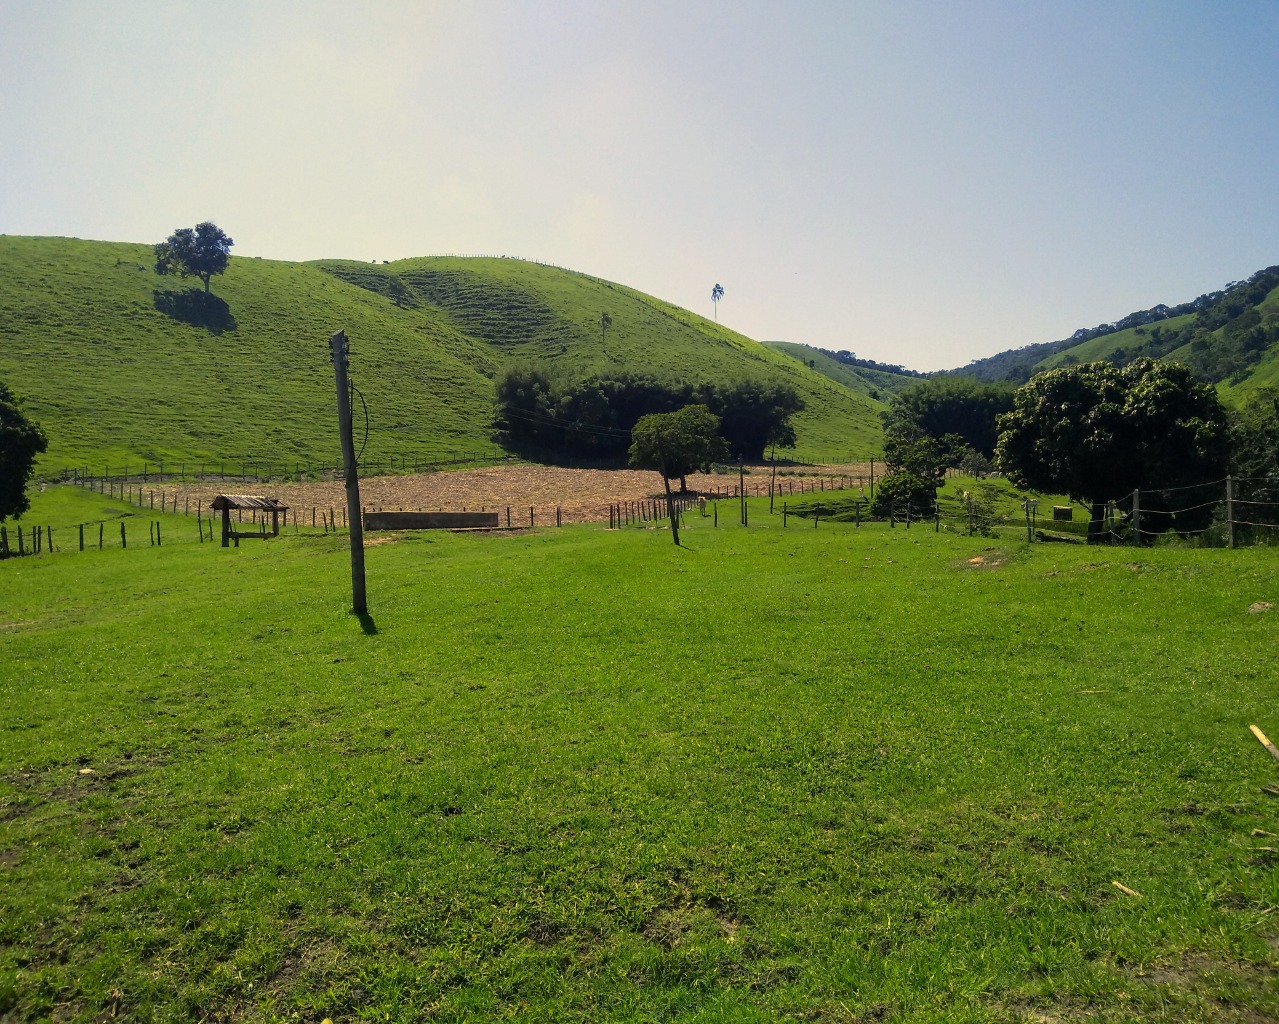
point(819, 774)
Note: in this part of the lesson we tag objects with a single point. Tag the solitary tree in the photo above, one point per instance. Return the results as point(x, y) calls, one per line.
point(675, 444)
point(717, 293)
point(200, 252)
point(1096, 432)
point(606, 321)
point(20, 442)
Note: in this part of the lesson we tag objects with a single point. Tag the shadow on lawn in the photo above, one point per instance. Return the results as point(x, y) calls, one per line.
point(196, 308)
point(366, 623)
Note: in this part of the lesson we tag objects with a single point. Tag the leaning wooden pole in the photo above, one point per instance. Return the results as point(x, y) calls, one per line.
point(340, 348)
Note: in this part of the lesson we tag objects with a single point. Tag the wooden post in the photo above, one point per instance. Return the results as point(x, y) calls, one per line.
point(508, 517)
point(530, 515)
point(785, 514)
point(101, 529)
point(872, 480)
point(340, 350)
point(772, 484)
point(157, 534)
point(4, 542)
point(1136, 516)
point(557, 515)
point(1230, 511)
point(124, 541)
point(857, 515)
point(226, 527)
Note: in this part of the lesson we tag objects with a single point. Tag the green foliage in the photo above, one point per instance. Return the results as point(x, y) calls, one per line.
point(678, 443)
point(593, 418)
point(1254, 430)
point(1096, 432)
point(754, 414)
point(950, 405)
point(200, 252)
point(20, 442)
point(1223, 335)
point(902, 489)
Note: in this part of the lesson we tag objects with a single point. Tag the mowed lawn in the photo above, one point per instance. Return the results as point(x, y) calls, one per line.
point(820, 774)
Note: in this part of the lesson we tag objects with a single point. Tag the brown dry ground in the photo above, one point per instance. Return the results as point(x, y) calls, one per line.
point(583, 495)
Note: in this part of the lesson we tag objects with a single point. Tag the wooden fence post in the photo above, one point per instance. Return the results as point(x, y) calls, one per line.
point(124, 542)
point(1230, 511)
point(1136, 516)
point(82, 536)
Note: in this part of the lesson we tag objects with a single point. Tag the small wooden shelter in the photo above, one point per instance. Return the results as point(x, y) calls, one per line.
point(248, 502)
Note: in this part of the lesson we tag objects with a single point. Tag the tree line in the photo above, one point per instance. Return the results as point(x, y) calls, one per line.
point(593, 418)
point(1095, 432)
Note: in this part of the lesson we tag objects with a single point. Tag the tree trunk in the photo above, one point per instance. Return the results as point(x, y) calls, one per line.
point(683, 485)
point(670, 510)
point(206, 284)
point(1097, 515)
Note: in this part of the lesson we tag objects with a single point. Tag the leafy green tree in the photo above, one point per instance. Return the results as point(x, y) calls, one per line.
point(20, 442)
point(939, 406)
point(754, 414)
point(1096, 432)
point(606, 322)
point(200, 252)
point(902, 490)
point(675, 444)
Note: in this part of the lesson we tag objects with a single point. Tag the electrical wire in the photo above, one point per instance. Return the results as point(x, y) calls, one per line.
point(356, 391)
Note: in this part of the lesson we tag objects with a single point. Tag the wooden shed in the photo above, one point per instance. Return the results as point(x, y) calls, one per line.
point(245, 503)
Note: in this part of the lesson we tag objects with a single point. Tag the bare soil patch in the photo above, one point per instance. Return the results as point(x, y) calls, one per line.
point(582, 495)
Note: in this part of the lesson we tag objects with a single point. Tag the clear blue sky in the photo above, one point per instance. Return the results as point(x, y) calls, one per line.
point(922, 183)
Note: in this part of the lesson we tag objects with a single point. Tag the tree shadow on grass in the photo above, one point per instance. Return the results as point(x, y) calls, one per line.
point(195, 308)
point(366, 623)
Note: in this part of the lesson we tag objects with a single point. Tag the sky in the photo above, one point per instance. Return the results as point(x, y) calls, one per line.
point(919, 183)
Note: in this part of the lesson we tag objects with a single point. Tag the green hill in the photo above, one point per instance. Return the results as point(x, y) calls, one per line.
point(863, 376)
point(120, 365)
point(1229, 337)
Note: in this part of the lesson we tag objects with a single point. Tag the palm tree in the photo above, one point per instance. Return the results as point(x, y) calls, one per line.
point(717, 293)
point(605, 321)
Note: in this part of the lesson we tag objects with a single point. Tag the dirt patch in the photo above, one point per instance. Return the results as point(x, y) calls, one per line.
point(993, 561)
point(582, 495)
point(1259, 607)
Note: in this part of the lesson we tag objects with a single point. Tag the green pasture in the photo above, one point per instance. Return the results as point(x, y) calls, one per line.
point(121, 366)
point(813, 773)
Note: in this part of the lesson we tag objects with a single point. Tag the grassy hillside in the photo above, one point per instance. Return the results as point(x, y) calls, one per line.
point(878, 385)
point(828, 795)
point(121, 365)
point(1228, 337)
point(530, 312)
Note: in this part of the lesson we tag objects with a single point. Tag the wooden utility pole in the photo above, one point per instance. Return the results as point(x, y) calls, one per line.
point(340, 347)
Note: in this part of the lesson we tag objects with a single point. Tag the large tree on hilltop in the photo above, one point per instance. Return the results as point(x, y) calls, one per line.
point(200, 252)
point(20, 442)
point(1096, 432)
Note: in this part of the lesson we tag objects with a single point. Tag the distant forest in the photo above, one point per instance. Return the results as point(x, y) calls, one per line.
point(851, 359)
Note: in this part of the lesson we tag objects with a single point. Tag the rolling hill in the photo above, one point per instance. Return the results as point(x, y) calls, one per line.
point(1229, 337)
point(120, 365)
point(875, 380)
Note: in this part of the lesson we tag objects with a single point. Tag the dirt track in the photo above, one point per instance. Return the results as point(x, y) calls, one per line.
point(583, 495)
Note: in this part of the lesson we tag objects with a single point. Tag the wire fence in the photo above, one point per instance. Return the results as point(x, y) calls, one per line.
point(1230, 512)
